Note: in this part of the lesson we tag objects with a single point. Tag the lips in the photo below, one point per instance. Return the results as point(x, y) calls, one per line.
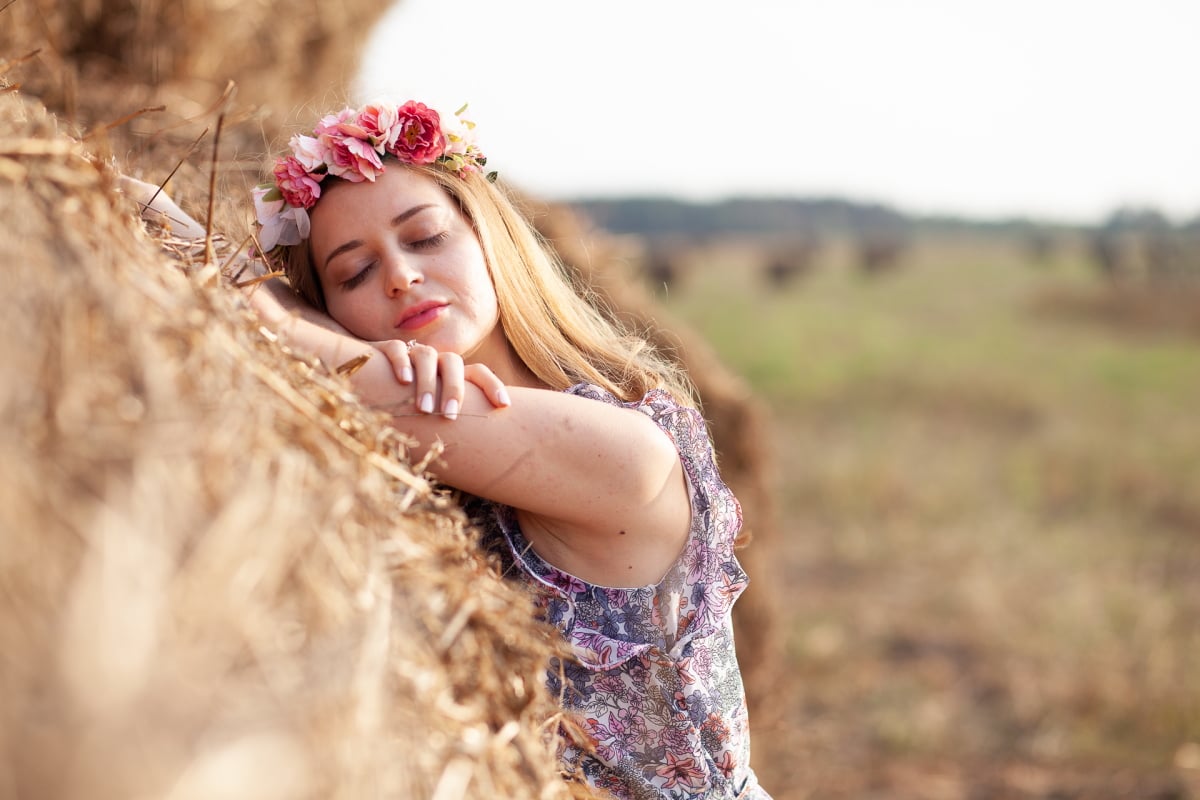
point(420, 315)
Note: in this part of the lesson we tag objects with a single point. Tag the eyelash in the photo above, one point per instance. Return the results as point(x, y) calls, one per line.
point(432, 241)
point(423, 244)
point(357, 278)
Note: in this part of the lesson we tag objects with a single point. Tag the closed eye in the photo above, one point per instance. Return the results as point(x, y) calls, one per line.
point(432, 241)
point(357, 278)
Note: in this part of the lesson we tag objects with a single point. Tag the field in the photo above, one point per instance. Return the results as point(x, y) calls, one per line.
point(988, 482)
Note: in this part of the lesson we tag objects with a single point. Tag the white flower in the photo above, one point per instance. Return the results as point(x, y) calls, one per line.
point(460, 134)
point(281, 223)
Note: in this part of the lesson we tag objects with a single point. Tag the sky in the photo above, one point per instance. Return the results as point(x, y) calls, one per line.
point(1060, 110)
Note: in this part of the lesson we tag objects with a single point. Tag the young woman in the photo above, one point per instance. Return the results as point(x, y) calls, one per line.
point(579, 444)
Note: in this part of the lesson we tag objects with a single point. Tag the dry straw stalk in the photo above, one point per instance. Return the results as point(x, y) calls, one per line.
point(220, 577)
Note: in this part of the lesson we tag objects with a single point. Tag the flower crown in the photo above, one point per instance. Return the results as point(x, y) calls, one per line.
point(351, 145)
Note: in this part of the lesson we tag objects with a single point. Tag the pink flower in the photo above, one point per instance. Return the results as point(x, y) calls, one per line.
point(605, 739)
point(349, 151)
point(716, 726)
point(636, 732)
point(569, 584)
point(681, 771)
point(419, 139)
point(351, 145)
point(343, 123)
point(701, 661)
point(353, 159)
point(684, 665)
point(300, 187)
point(309, 152)
point(730, 587)
point(379, 122)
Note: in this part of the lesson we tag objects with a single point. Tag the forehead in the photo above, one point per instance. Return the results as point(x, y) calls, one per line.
point(349, 211)
point(396, 188)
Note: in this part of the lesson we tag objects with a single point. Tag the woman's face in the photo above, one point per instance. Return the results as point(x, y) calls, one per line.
point(397, 260)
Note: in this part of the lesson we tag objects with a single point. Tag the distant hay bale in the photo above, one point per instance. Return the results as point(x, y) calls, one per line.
point(219, 577)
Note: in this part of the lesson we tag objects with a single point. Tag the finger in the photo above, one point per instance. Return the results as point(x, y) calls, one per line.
point(396, 353)
point(425, 376)
point(450, 370)
point(493, 388)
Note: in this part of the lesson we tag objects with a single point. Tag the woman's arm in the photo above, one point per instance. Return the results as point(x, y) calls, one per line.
point(599, 489)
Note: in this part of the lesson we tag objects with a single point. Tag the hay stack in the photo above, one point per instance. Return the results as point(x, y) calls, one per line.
point(153, 417)
point(218, 578)
point(283, 54)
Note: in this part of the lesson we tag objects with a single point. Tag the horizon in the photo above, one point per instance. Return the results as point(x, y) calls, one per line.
point(934, 217)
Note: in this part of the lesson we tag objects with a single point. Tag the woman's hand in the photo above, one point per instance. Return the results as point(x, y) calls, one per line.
point(439, 379)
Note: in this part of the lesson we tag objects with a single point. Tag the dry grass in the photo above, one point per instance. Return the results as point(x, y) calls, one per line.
point(220, 576)
point(284, 55)
point(992, 527)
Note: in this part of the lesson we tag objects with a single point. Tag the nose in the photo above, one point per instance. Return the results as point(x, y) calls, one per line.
point(401, 274)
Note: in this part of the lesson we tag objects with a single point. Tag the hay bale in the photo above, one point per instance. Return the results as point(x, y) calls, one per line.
point(220, 579)
point(283, 54)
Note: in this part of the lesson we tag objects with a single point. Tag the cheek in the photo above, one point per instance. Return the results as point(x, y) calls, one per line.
point(481, 281)
point(348, 311)
point(485, 294)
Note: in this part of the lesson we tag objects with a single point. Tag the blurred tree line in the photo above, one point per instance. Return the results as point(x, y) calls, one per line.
point(1130, 246)
point(650, 216)
point(793, 231)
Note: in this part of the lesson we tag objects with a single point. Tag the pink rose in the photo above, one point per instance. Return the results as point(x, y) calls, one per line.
point(348, 147)
point(419, 139)
point(309, 152)
point(379, 121)
point(300, 187)
point(343, 123)
point(353, 159)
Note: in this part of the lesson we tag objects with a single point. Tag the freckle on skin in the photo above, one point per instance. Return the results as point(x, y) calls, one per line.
point(621, 532)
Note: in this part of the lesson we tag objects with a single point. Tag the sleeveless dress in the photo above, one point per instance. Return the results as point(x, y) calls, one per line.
point(655, 681)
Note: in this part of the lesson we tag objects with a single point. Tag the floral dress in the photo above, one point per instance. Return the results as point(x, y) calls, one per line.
point(655, 681)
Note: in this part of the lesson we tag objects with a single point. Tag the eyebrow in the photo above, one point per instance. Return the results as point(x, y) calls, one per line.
point(354, 243)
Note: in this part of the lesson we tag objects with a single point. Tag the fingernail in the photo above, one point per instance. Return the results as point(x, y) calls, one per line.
point(451, 409)
point(426, 403)
point(406, 375)
point(502, 396)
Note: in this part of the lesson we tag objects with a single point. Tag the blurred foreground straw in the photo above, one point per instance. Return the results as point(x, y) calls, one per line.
point(208, 590)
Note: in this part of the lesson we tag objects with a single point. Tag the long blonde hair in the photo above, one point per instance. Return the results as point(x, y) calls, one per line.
point(557, 325)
